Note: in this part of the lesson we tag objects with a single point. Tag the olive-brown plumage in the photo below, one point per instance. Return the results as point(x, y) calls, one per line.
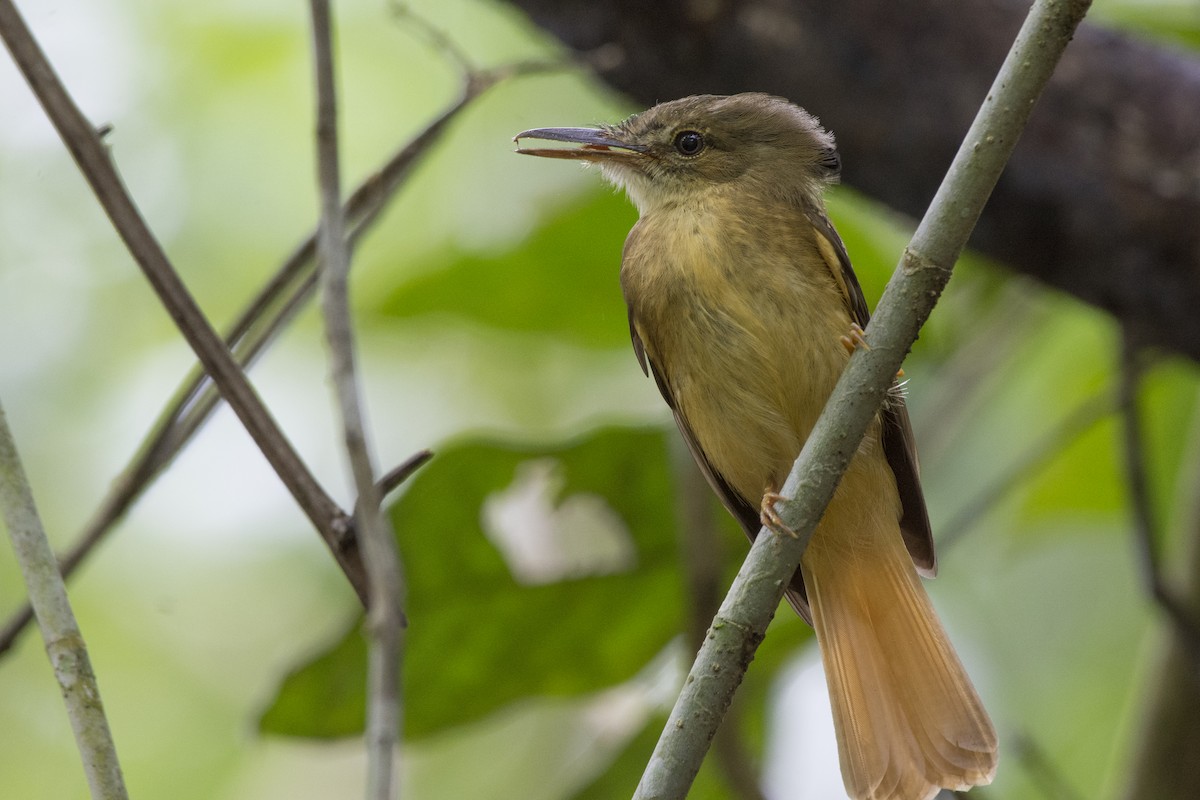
point(740, 294)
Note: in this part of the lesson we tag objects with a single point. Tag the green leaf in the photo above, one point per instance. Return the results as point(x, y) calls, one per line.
point(479, 640)
point(326, 697)
point(1071, 359)
point(562, 279)
point(1167, 414)
point(874, 238)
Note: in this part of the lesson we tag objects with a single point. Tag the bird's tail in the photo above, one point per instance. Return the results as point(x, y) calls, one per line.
point(908, 720)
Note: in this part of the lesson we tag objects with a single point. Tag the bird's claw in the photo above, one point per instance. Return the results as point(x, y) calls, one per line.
point(857, 339)
point(770, 517)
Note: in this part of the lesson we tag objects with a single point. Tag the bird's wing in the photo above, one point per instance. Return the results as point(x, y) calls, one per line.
point(742, 509)
point(898, 443)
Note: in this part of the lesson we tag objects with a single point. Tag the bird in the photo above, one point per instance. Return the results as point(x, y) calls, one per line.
point(744, 308)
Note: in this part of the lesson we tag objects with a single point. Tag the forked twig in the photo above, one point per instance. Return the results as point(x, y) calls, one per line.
point(93, 161)
point(268, 312)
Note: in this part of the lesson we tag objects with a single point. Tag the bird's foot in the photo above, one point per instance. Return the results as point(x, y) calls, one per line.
point(857, 339)
point(770, 517)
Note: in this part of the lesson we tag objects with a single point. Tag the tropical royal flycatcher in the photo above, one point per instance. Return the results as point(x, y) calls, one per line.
point(744, 308)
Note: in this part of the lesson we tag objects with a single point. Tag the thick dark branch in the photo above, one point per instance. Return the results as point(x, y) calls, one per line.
point(1101, 197)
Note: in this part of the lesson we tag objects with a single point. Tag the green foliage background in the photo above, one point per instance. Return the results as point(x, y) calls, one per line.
point(493, 331)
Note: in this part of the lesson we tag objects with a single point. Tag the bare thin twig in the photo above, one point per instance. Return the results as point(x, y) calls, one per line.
point(93, 160)
point(742, 620)
point(1144, 527)
point(64, 641)
point(385, 616)
point(399, 474)
point(436, 36)
point(275, 305)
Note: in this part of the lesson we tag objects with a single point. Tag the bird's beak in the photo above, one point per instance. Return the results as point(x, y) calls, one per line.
point(595, 144)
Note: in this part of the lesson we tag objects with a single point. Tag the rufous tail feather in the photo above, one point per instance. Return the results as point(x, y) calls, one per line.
point(908, 720)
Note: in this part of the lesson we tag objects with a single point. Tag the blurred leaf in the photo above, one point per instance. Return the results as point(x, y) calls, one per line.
point(874, 237)
point(622, 777)
point(1085, 477)
point(325, 697)
point(786, 634)
point(560, 280)
point(1167, 406)
point(477, 640)
point(1066, 360)
point(1172, 22)
point(1088, 475)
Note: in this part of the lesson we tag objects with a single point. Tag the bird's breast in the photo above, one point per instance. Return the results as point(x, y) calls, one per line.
point(742, 318)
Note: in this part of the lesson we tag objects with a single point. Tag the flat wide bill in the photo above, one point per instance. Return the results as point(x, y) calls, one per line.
point(594, 143)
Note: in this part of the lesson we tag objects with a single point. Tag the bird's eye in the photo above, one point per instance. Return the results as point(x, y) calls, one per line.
point(831, 161)
point(689, 143)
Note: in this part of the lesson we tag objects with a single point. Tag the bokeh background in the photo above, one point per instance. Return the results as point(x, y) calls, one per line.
point(547, 596)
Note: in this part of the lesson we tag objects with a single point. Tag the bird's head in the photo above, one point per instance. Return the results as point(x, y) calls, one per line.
point(676, 151)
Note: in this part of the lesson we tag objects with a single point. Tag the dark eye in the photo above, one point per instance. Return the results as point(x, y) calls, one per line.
point(689, 143)
point(831, 161)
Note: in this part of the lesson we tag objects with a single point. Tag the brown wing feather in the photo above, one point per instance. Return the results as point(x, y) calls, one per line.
point(898, 443)
point(742, 509)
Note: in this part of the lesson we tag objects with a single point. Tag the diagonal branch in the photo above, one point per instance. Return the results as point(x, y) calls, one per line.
point(64, 641)
point(268, 312)
point(92, 158)
point(396, 476)
point(920, 278)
